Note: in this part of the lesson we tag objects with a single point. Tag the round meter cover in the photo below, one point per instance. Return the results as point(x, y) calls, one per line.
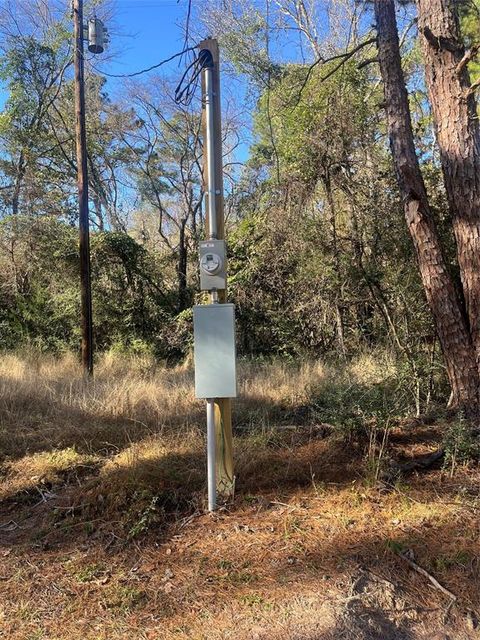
point(211, 263)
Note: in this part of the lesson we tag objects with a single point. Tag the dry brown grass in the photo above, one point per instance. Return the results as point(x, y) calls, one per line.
point(45, 402)
point(138, 421)
point(103, 534)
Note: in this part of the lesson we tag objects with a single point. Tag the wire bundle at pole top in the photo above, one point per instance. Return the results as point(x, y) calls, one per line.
point(186, 86)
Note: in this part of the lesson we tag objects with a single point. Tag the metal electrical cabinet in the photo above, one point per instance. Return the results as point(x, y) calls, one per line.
point(214, 349)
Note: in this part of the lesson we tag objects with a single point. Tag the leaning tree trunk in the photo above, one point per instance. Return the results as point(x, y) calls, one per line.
point(449, 320)
point(458, 135)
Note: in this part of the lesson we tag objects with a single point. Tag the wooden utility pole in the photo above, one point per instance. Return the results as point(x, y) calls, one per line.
point(225, 479)
point(81, 144)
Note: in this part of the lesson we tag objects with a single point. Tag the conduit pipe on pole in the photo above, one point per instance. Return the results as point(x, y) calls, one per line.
point(211, 447)
point(213, 233)
point(210, 123)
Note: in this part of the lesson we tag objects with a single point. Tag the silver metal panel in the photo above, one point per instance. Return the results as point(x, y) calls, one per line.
point(214, 349)
point(218, 279)
point(96, 36)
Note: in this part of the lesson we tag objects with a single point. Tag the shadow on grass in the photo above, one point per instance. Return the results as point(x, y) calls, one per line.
point(161, 494)
point(63, 426)
point(50, 415)
point(145, 488)
point(27, 426)
point(366, 623)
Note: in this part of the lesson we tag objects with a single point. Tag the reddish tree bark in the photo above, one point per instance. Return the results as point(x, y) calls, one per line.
point(458, 135)
point(447, 313)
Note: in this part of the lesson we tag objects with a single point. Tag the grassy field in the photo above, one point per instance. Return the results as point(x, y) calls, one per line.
point(103, 533)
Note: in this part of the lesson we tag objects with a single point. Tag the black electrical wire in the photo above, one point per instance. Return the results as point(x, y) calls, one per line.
point(138, 73)
point(184, 94)
point(187, 25)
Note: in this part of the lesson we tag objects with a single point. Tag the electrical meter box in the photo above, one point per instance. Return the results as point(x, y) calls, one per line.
point(214, 350)
point(212, 265)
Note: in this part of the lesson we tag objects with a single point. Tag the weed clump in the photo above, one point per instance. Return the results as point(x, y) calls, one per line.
point(460, 443)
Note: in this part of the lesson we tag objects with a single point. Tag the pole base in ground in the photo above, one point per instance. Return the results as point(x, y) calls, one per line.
point(224, 472)
point(211, 455)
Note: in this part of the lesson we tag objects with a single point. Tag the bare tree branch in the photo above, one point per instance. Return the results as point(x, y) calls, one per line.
point(343, 57)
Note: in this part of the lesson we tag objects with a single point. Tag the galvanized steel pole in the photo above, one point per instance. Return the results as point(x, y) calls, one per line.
point(210, 124)
point(211, 454)
point(220, 444)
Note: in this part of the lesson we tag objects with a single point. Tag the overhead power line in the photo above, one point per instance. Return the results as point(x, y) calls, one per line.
point(154, 66)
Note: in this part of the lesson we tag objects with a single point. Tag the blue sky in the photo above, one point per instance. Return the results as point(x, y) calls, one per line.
point(144, 32)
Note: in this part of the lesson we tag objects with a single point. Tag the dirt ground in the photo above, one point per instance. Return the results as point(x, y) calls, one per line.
point(317, 554)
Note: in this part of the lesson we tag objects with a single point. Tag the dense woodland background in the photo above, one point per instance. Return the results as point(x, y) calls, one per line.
point(320, 258)
point(351, 139)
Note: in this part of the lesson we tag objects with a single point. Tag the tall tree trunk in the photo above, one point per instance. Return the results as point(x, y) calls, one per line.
point(182, 268)
point(327, 183)
point(449, 320)
point(458, 135)
point(97, 202)
point(21, 168)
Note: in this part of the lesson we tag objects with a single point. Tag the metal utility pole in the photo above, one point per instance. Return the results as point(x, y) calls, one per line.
point(82, 179)
point(219, 409)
